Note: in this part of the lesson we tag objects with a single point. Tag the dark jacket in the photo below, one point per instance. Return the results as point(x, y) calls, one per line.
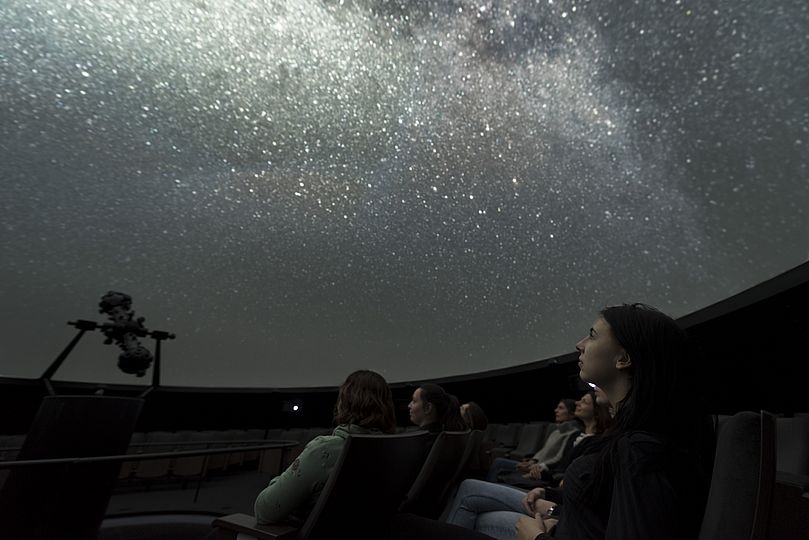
point(654, 495)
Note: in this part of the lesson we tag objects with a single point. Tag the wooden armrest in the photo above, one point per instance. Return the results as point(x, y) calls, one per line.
point(242, 523)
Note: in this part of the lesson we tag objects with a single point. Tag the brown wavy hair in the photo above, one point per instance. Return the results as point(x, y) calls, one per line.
point(364, 399)
point(474, 416)
point(601, 413)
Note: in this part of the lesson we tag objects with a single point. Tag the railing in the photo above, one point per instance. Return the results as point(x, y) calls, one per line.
point(233, 446)
point(281, 444)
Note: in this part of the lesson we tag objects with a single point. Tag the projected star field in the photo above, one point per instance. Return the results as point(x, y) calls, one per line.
point(298, 189)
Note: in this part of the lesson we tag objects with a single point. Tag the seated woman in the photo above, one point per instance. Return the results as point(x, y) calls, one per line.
point(433, 410)
point(567, 426)
point(474, 497)
point(364, 406)
point(595, 415)
point(596, 419)
point(647, 476)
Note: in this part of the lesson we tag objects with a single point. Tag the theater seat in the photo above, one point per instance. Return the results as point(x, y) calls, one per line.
point(531, 439)
point(428, 493)
point(743, 478)
point(476, 458)
point(366, 487)
point(793, 445)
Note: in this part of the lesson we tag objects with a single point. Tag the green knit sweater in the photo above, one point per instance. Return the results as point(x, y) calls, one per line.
point(295, 491)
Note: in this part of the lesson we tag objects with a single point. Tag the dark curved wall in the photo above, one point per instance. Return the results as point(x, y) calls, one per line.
point(749, 357)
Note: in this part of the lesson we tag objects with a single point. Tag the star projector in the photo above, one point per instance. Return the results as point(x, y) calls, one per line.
point(124, 329)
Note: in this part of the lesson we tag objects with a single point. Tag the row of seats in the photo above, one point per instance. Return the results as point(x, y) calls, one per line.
point(269, 461)
point(513, 440)
point(518, 441)
point(361, 462)
point(354, 503)
point(183, 468)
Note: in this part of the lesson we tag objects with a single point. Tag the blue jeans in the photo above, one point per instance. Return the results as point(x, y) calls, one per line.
point(492, 509)
point(500, 465)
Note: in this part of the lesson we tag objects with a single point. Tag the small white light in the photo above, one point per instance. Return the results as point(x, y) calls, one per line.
point(295, 407)
point(592, 385)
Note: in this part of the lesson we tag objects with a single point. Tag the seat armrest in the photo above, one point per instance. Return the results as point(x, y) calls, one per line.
point(229, 526)
point(793, 480)
point(790, 507)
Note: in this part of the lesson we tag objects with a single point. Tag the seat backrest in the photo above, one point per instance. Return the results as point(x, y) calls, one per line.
point(507, 435)
point(491, 432)
point(139, 437)
point(367, 485)
point(67, 501)
point(743, 478)
point(236, 434)
point(531, 438)
point(475, 461)
point(427, 495)
point(255, 434)
point(10, 446)
point(164, 441)
point(793, 445)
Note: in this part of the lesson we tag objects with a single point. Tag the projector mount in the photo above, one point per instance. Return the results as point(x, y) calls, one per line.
point(124, 329)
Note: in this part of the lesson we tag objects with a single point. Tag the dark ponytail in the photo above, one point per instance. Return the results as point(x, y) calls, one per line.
point(447, 407)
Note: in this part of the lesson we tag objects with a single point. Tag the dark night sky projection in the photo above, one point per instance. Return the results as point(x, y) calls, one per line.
point(302, 188)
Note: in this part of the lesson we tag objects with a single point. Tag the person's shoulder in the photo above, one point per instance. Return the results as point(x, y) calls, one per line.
point(640, 441)
point(336, 438)
point(642, 438)
point(323, 450)
point(641, 450)
point(569, 425)
point(322, 444)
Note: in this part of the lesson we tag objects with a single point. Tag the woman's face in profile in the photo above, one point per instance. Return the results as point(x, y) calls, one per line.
point(561, 413)
point(584, 407)
point(599, 352)
point(416, 408)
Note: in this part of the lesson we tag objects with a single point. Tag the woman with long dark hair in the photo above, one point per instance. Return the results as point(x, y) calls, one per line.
point(364, 406)
point(648, 476)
